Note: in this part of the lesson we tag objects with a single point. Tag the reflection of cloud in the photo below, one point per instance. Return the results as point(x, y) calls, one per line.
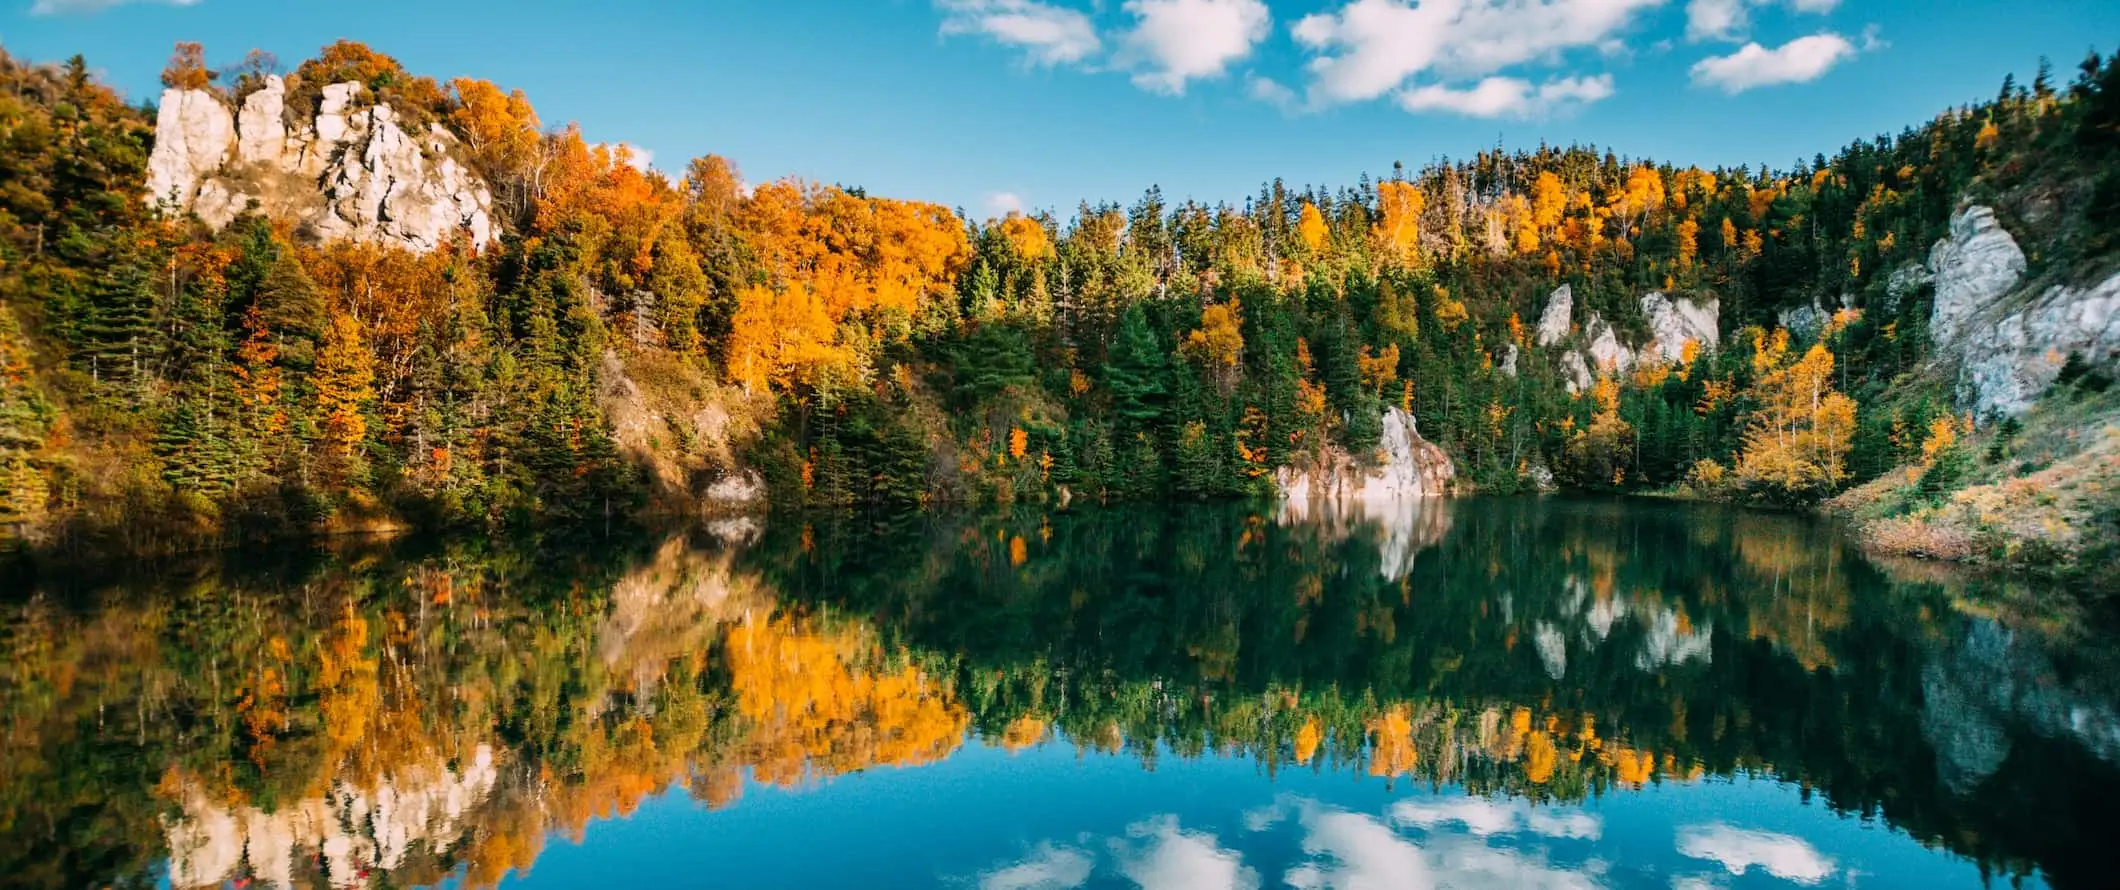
point(1161, 856)
point(1047, 868)
point(1355, 852)
point(1483, 817)
point(1783, 856)
point(1574, 824)
point(1694, 882)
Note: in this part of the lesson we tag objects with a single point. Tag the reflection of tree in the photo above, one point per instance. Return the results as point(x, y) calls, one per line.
point(421, 714)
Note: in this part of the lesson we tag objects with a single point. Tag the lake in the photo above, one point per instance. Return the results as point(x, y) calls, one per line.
point(1486, 692)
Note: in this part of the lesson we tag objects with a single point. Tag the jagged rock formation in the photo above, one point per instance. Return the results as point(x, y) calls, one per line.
point(1407, 466)
point(2009, 343)
point(1672, 324)
point(1509, 356)
point(350, 171)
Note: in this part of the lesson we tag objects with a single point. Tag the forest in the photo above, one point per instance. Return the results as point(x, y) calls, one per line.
point(167, 386)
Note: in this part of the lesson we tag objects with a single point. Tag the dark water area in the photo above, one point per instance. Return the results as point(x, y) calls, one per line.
point(1487, 692)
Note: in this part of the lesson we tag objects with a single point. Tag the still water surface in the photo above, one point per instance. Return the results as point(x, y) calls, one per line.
point(1472, 693)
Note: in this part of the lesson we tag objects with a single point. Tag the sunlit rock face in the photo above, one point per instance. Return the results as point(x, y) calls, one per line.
point(2007, 342)
point(352, 830)
point(1674, 324)
point(1406, 466)
point(352, 171)
point(1555, 322)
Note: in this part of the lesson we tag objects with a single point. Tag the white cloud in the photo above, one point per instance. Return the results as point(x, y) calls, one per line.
point(1048, 35)
point(1004, 203)
point(1175, 41)
point(1508, 96)
point(1730, 19)
point(1047, 868)
point(1799, 61)
point(1271, 92)
point(1715, 19)
point(1370, 47)
point(1783, 856)
point(1161, 856)
point(64, 7)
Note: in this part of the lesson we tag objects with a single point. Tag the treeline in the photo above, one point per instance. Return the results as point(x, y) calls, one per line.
point(181, 383)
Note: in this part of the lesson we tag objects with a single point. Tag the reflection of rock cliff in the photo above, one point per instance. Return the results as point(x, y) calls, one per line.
point(418, 811)
point(1992, 679)
point(341, 169)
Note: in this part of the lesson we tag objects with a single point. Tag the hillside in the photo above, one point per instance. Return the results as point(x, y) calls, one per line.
point(352, 297)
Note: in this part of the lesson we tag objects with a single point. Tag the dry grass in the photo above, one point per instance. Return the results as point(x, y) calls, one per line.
point(2036, 508)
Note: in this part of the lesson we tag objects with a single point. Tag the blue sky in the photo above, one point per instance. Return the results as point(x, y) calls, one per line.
point(985, 103)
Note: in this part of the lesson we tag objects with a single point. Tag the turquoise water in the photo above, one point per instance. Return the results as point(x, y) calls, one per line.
point(1473, 693)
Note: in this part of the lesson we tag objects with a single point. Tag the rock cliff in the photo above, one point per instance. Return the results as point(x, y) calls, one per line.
point(341, 170)
point(2007, 342)
point(1672, 324)
point(1406, 466)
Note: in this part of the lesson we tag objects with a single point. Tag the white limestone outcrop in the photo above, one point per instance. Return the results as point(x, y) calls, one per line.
point(2009, 343)
point(1406, 466)
point(352, 171)
point(1558, 317)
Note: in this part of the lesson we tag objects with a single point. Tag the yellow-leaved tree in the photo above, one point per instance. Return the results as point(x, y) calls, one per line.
point(1399, 206)
point(1797, 444)
point(1312, 228)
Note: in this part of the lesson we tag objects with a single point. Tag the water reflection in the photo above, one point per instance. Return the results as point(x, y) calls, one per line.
point(1526, 684)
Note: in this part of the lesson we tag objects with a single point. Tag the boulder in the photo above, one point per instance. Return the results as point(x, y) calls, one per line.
point(1509, 357)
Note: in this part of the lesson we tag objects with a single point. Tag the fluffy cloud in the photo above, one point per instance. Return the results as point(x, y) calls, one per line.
point(1508, 96)
point(1783, 856)
point(1161, 856)
point(1175, 41)
point(1729, 19)
point(1047, 868)
point(63, 7)
point(1798, 61)
point(1047, 34)
point(1369, 48)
